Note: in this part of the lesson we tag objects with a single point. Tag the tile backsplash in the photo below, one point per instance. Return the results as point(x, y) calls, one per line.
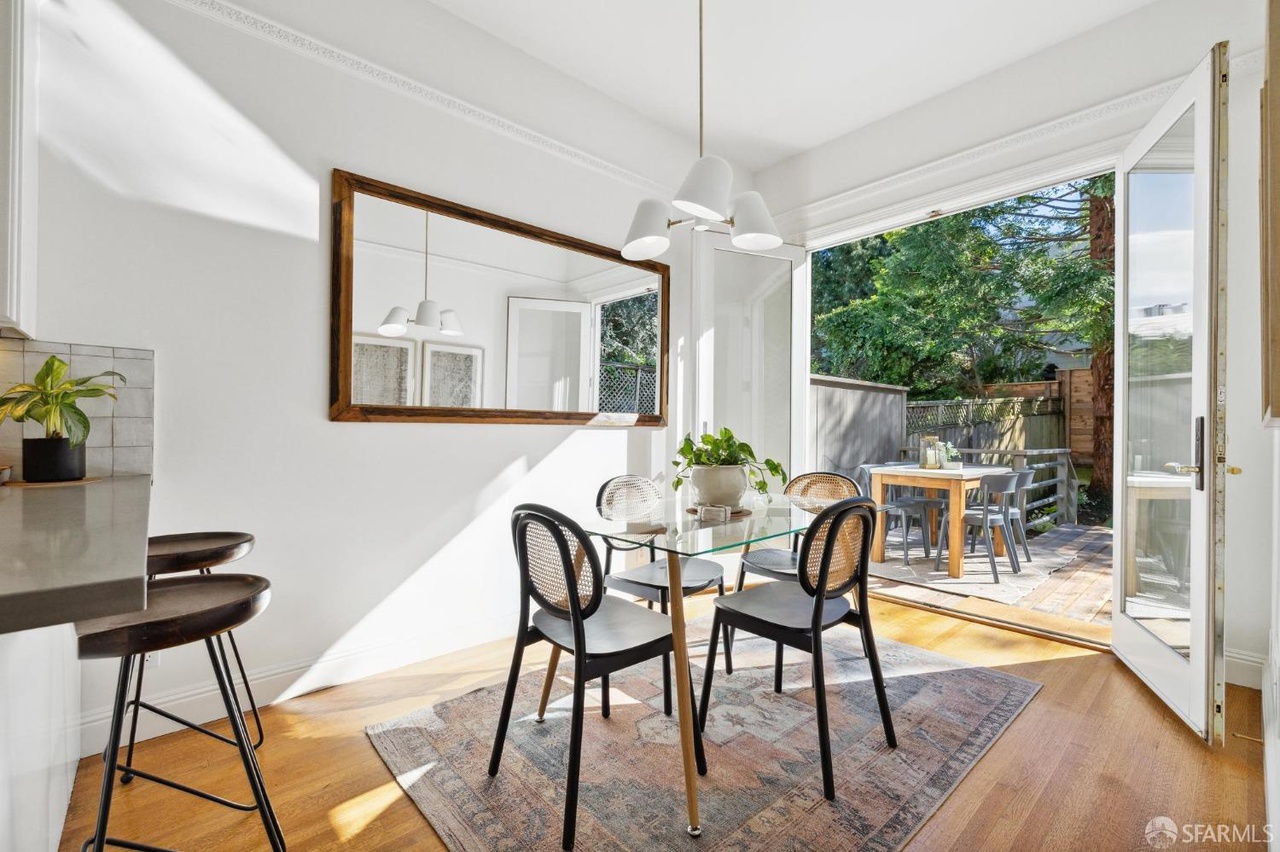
point(121, 434)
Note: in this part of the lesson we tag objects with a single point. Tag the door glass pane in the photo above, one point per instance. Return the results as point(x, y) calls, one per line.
point(752, 390)
point(1157, 504)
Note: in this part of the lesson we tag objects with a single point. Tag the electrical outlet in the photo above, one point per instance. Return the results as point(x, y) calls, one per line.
point(152, 659)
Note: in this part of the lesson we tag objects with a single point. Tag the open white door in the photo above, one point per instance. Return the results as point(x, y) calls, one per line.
point(751, 327)
point(1170, 246)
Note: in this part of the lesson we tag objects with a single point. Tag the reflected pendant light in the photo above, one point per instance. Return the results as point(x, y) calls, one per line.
point(705, 197)
point(429, 315)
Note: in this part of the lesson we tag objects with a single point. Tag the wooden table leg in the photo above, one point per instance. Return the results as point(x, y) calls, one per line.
point(552, 664)
point(684, 694)
point(955, 529)
point(997, 539)
point(877, 494)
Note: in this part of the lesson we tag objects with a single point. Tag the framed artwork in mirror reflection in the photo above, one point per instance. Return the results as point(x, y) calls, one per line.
point(452, 376)
point(383, 371)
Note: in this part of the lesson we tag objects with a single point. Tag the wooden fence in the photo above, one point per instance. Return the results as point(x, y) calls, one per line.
point(1075, 389)
point(852, 422)
point(999, 424)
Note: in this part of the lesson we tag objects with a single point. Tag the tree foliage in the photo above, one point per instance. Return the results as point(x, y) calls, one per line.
point(952, 304)
point(629, 330)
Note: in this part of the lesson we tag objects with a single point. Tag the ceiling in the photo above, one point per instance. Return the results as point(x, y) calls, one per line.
point(781, 78)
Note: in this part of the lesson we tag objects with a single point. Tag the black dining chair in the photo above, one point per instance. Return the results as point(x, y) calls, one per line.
point(833, 562)
point(778, 564)
point(630, 494)
point(997, 497)
point(560, 571)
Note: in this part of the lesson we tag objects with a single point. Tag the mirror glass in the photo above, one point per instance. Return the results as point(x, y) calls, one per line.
point(1161, 273)
point(453, 313)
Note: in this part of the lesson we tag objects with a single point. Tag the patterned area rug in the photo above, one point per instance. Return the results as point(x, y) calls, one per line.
point(763, 789)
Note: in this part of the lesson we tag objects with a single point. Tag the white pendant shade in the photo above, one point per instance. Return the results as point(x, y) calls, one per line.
point(428, 315)
point(753, 228)
point(396, 323)
point(449, 322)
point(705, 191)
point(648, 235)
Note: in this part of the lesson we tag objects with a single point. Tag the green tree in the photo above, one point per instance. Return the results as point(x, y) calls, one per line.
point(629, 330)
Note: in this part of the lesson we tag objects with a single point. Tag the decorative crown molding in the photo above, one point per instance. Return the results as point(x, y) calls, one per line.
point(348, 63)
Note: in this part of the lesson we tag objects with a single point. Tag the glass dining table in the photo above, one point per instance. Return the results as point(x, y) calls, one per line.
point(672, 525)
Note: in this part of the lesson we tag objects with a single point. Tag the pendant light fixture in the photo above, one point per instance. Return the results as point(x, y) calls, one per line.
point(705, 197)
point(429, 316)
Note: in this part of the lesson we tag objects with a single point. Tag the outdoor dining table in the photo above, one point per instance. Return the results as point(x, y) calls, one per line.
point(957, 484)
point(677, 532)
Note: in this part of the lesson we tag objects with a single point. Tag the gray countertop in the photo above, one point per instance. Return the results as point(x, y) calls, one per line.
point(72, 552)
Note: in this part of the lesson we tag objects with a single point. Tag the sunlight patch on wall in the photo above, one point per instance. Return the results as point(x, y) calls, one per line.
point(121, 106)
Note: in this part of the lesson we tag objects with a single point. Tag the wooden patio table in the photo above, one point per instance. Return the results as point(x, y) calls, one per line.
point(957, 484)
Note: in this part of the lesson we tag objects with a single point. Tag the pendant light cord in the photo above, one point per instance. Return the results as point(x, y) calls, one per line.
point(426, 256)
point(700, 110)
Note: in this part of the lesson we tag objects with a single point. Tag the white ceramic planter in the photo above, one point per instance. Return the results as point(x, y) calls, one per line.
point(953, 465)
point(719, 485)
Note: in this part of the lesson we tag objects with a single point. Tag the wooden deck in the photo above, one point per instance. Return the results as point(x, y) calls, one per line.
point(1064, 590)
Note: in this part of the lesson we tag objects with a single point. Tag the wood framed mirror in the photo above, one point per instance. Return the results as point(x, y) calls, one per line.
point(443, 314)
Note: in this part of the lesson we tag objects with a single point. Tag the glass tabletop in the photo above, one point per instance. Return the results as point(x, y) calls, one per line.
point(673, 528)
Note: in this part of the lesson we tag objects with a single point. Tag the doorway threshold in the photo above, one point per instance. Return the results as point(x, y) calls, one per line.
point(1069, 631)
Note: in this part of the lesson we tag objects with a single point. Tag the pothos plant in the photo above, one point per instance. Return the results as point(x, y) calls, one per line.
point(52, 400)
point(723, 450)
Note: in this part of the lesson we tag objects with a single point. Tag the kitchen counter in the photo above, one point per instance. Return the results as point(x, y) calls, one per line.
point(72, 552)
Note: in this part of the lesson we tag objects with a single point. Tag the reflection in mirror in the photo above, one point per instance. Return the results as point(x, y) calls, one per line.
point(1161, 228)
point(455, 309)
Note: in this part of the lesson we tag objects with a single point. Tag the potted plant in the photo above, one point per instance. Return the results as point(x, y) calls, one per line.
point(951, 457)
point(720, 468)
point(51, 400)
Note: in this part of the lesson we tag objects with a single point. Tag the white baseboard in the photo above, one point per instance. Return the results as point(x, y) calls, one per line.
point(1245, 668)
point(202, 703)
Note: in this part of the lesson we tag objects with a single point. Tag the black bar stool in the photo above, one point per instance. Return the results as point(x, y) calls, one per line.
point(180, 610)
point(171, 554)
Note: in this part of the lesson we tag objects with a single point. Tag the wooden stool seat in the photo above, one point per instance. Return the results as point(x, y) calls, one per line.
point(180, 610)
point(167, 554)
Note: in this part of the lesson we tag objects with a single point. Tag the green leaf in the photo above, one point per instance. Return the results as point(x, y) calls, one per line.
point(88, 379)
point(76, 425)
point(51, 372)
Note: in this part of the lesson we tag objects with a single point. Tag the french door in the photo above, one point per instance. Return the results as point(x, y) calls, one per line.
point(1169, 429)
point(751, 345)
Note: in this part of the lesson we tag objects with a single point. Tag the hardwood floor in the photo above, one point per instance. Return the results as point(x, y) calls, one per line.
point(1086, 765)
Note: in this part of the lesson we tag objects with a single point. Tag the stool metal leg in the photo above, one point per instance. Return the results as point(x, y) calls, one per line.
point(99, 839)
point(127, 776)
point(248, 690)
point(222, 672)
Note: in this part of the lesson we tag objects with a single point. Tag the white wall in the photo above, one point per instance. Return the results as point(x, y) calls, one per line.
point(1036, 122)
point(385, 544)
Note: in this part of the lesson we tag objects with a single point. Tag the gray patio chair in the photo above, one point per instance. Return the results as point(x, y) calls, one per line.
point(999, 492)
point(904, 505)
point(1018, 513)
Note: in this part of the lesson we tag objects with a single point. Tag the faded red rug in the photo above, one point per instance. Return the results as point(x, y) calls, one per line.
point(763, 789)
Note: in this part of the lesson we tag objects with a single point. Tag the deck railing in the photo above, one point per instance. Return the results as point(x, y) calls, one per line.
point(1063, 482)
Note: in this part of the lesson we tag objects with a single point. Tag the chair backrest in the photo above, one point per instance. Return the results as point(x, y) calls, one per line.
point(1001, 485)
point(626, 496)
point(559, 567)
point(1026, 476)
point(823, 486)
point(833, 557)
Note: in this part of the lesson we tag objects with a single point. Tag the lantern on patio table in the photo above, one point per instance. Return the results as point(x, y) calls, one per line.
point(930, 452)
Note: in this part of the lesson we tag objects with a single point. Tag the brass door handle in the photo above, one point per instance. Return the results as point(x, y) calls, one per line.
point(1233, 470)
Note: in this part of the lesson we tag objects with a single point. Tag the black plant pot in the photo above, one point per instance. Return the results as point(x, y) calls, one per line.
point(51, 460)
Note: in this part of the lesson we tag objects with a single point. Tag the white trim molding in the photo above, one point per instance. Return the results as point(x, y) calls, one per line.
point(348, 63)
point(906, 198)
point(1245, 668)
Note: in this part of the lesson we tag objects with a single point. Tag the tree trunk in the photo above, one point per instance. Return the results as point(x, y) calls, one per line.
point(1102, 248)
point(1103, 371)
